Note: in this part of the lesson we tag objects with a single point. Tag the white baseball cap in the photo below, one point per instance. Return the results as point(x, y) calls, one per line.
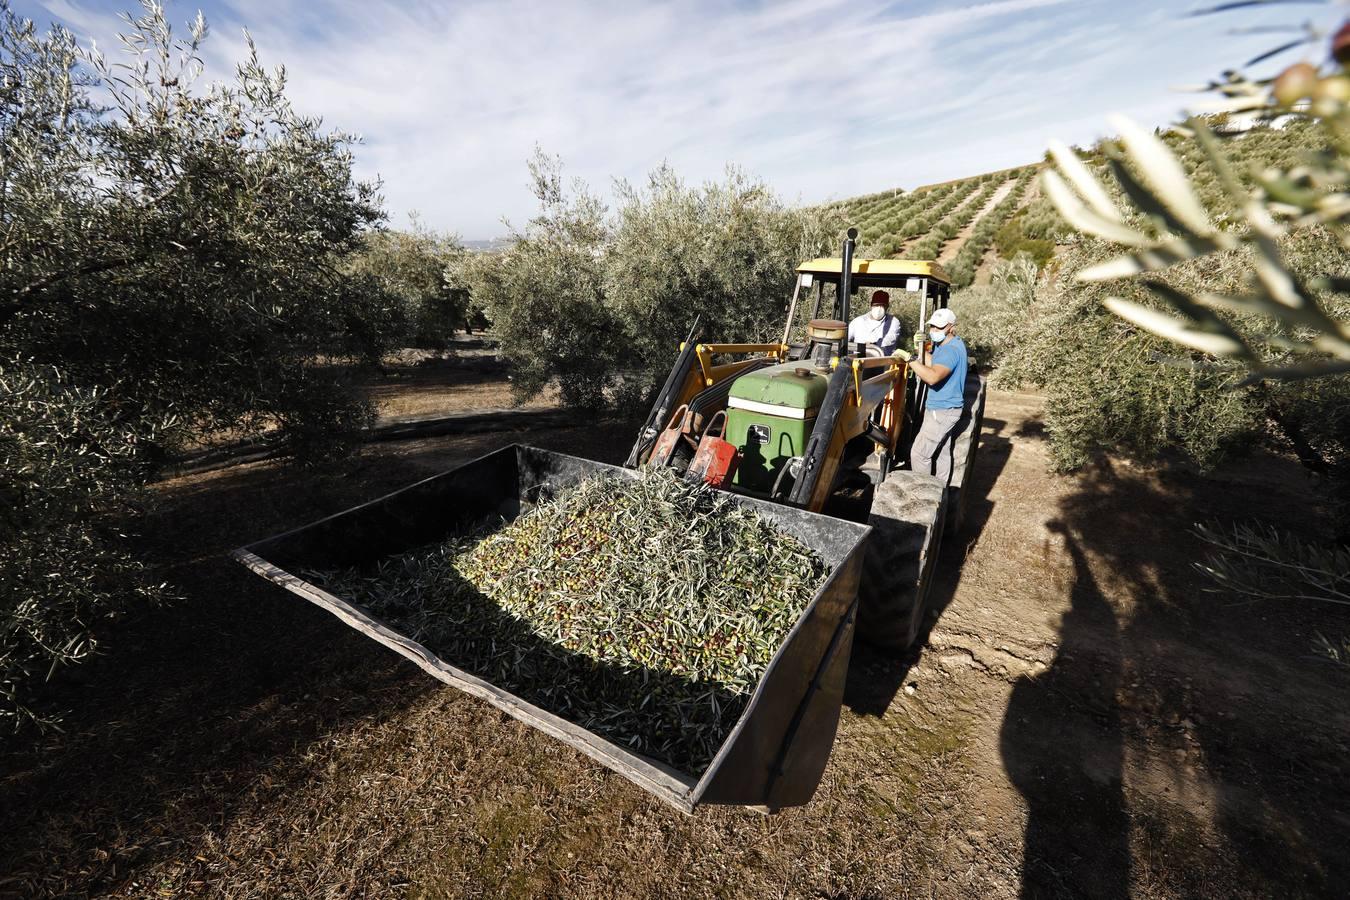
point(941, 318)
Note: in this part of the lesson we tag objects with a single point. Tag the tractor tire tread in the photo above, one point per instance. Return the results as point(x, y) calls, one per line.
point(906, 520)
point(966, 446)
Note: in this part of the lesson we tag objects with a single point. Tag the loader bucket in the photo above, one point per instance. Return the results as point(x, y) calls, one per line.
point(775, 754)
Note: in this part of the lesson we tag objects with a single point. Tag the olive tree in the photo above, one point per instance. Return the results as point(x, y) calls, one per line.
point(545, 296)
point(725, 252)
point(181, 246)
point(415, 267)
point(67, 476)
point(1280, 334)
point(173, 265)
point(598, 301)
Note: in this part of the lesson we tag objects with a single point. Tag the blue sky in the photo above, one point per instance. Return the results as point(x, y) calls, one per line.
point(821, 99)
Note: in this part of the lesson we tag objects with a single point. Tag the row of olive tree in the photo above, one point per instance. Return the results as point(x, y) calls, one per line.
point(420, 270)
point(172, 264)
point(597, 301)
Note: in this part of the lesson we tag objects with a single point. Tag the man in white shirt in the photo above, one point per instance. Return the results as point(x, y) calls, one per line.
point(877, 326)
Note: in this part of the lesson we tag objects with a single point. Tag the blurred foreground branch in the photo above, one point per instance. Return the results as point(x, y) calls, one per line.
point(1151, 205)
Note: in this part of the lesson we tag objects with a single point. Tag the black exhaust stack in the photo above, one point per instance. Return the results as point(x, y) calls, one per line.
point(846, 276)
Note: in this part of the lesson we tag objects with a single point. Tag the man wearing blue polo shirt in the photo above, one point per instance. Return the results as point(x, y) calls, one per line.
point(945, 376)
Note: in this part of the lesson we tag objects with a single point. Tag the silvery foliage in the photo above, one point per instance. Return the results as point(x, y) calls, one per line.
point(596, 301)
point(67, 472)
point(171, 267)
point(1164, 222)
point(175, 243)
point(417, 268)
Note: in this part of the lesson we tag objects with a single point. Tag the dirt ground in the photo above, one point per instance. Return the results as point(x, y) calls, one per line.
point(1083, 720)
point(434, 386)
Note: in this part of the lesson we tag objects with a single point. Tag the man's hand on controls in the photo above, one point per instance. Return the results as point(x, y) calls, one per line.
point(903, 356)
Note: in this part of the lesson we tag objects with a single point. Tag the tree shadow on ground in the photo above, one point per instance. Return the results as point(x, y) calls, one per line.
point(451, 373)
point(1228, 736)
point(875, 676)
point(166, 730)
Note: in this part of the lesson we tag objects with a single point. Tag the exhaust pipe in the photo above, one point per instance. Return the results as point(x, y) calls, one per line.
point(846, 276)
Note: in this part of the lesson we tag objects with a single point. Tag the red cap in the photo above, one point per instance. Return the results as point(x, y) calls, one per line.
point(1340, 44)
point(881, 297)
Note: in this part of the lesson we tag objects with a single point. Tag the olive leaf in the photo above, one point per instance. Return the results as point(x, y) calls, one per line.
point(1175, 328)
point(1084, 181)
point(1171, 187)
point(1077, 214)
point(646, 610)
point(1152, 259)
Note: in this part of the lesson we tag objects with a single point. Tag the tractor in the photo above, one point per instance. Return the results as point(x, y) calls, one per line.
point(824, 426)
point(811, 433)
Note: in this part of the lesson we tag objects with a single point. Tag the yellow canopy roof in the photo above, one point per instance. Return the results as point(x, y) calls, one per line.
point(916, 268)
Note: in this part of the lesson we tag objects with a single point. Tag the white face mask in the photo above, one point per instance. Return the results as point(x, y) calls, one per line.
point(937, 336)
point(877, 312)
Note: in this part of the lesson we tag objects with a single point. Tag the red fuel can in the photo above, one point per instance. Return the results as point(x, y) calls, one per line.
point(715, 462)
point(716, 459)
point(663, 454)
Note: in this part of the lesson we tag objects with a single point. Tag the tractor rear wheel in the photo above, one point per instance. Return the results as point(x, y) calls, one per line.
point(906, 520)
point(965, 446)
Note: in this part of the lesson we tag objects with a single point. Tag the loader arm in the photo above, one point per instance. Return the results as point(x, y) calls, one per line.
point(847, 413)
point(694, 372)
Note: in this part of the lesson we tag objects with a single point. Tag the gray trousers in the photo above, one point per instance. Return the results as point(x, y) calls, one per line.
point(931, 451)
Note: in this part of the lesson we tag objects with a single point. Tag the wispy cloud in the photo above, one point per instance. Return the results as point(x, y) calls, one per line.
point(821, 98)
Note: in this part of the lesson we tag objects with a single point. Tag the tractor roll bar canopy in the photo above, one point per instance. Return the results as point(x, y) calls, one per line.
point(877, 272)
point(922, 276)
